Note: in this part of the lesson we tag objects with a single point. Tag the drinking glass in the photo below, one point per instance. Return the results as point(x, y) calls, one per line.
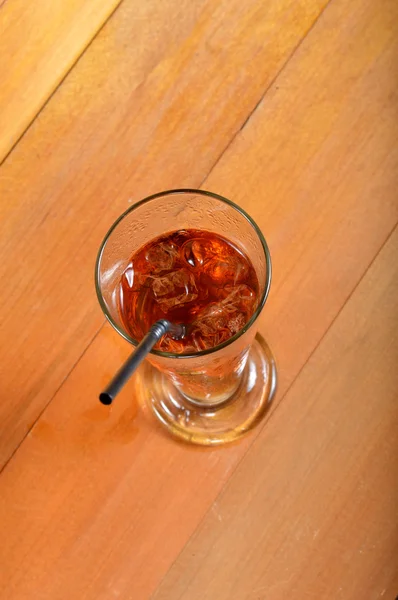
point(215, 395)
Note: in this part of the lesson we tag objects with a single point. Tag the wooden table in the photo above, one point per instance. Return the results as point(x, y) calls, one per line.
point(289, 108)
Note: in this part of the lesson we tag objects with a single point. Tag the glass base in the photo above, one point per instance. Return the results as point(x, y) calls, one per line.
point(218, 424)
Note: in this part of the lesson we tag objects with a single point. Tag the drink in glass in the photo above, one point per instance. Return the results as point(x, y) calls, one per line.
point(193, 257)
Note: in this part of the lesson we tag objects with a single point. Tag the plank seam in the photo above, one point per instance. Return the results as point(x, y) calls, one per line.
point(257, 432)
point(64, 380)
point(268, 87)
point(61, 81)
point(239, 130)
point(245, 122)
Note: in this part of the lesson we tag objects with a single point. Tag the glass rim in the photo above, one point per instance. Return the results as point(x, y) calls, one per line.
point(237, 335)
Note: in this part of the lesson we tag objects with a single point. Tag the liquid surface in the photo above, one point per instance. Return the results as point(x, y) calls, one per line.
point(193, 277)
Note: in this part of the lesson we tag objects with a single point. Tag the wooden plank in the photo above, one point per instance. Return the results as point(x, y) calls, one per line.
point(123, 125)
point(324, 190)
point(100, 502)
point(311, 512)
point(39, 43)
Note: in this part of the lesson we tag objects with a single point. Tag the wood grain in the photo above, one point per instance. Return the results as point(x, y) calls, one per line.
point(318, 170)
point(124, 124)
point(39, 43)
point(311, 512)
point(99, 503)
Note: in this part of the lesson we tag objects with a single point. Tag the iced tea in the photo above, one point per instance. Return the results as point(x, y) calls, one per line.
point(194, 277)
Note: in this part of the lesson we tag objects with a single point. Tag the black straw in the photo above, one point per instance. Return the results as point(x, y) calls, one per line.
point(157, 330)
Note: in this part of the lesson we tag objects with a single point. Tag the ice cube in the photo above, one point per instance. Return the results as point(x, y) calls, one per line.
point(238, 298)
point(203, 341)
point(236, 323)
point(169, 344)
point(167, 304)
point(210, 327)
point(212, 317)
point(196, 252)
point(226, 269)
point(162, 285)
point(162, 256)
point(173, 289)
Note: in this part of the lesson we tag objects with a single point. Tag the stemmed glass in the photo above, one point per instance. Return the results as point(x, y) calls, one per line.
point(218, 394)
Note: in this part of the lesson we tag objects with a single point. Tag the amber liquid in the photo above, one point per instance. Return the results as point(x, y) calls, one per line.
point(194, 277)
